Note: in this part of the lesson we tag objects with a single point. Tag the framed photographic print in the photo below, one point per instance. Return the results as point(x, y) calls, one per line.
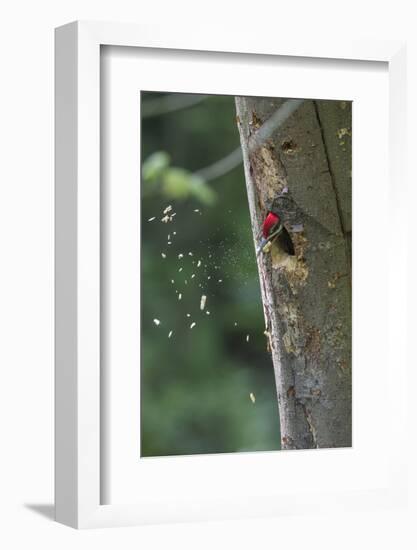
point(224, 340)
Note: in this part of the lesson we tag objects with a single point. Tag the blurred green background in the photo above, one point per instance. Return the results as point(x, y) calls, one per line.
point(196, 385)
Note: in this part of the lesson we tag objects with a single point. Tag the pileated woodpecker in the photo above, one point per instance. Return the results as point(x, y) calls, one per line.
point(273, 228)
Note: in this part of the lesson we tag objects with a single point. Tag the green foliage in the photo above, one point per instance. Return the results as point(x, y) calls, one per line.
point(155, 166)
point(202, 191)
point(174, 183)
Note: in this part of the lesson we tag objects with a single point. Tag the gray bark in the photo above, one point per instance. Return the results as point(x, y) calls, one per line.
point(306, 297)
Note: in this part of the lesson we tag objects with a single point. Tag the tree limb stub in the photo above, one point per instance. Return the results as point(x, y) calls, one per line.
point(306, 297)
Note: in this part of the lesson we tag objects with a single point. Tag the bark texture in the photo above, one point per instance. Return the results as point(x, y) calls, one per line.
point(306, 297)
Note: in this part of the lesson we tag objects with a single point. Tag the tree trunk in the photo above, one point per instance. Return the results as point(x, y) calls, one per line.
point(306, 297)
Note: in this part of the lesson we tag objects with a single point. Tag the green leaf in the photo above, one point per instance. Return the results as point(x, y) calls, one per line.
point(155, 165)
point(202, 191)
point(176, 183)
point(181, 184)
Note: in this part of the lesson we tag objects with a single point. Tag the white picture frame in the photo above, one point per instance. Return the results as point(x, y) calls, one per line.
point(79, 409)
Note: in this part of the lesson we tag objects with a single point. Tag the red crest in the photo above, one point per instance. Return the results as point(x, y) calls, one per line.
point(270, 222)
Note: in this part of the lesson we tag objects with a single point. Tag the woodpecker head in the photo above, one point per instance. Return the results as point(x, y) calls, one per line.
point(270, 226)
point(271, 222)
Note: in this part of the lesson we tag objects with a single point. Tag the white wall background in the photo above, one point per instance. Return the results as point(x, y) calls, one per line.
point(26, 269)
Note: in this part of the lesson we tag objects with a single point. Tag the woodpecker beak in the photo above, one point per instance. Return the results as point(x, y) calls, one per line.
point(265, 240)
point(261, 245)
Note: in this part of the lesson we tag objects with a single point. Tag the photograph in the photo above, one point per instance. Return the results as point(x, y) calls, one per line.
point(207, 338)
point(246, 239)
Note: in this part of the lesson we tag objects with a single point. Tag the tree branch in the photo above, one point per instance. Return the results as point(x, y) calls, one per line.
point(222, 166)
point(233, 159)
